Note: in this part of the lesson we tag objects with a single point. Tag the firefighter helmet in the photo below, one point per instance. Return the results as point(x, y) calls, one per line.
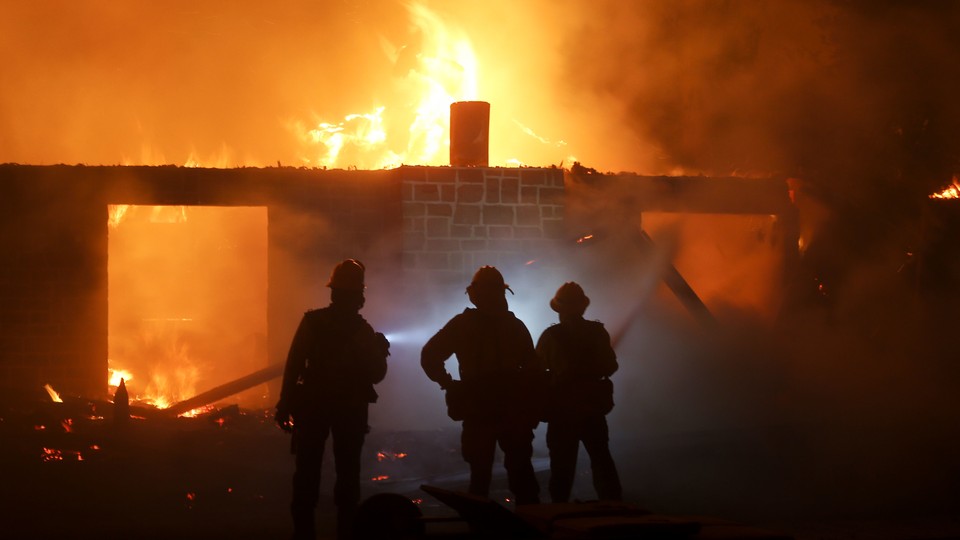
point(488, 278)
point(570, 299)
point(347, 275)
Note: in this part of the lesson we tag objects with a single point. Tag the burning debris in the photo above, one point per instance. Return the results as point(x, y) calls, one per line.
point(951, 192)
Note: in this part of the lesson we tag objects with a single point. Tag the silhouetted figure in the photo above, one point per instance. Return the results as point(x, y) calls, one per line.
point(579, 360)
point(496, 393)
point(121, 405)
point(335, 359)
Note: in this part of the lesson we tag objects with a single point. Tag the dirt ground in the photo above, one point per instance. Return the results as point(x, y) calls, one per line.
point(227, 475)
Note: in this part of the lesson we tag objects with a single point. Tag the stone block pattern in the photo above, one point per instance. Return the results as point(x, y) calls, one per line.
point(456, 219)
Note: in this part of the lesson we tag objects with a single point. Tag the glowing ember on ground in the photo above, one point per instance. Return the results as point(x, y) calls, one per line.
point(52, 454)
point(385, 455)
point(380, 478)
point(583, 239)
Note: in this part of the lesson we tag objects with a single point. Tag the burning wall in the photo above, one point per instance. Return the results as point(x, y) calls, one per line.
point(55, 240)
point(430, 224)
point(421, 230)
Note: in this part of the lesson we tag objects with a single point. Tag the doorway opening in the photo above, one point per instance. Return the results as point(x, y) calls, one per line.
point(187, 300)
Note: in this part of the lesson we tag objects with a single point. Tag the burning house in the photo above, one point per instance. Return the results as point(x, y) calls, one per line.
point(181, 279)
point(779, 278)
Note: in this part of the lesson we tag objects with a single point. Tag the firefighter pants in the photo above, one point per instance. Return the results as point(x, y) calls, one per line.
point(564, 435)
point(348, 427)
point(478, 443)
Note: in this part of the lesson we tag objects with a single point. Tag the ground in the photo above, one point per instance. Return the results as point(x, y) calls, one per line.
point(68, 473)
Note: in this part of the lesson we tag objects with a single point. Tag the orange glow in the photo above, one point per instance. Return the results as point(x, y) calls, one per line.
point(951, 192)
point(380, 478)
point(583, 239)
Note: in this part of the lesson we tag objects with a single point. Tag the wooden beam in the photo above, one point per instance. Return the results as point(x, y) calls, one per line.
point(226, 390)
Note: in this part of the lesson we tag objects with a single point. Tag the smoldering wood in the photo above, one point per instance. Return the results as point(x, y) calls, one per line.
point(226, 390)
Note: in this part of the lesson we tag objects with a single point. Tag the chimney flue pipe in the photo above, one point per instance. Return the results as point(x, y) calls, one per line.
point(469, 133)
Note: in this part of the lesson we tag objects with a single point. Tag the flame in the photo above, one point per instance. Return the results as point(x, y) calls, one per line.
point(170, 383)
point(583, 239)
point(380, 478)
point(53, 393)
point(951, 192)
point(115, 213)
point(441, 72)
point(116, 375)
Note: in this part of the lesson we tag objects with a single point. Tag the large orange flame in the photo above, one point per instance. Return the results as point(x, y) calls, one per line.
point(414, 128)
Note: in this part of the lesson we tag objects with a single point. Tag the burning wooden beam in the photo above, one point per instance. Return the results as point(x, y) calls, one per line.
point(226, 390)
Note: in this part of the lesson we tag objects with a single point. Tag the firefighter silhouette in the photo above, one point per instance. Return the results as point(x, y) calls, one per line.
point(335, 359)
point(496, 395)
point(579, 360)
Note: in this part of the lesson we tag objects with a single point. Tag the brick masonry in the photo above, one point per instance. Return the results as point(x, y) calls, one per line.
point(456, 219)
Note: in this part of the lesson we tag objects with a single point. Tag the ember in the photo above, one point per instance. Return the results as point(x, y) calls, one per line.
point(385, 455)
